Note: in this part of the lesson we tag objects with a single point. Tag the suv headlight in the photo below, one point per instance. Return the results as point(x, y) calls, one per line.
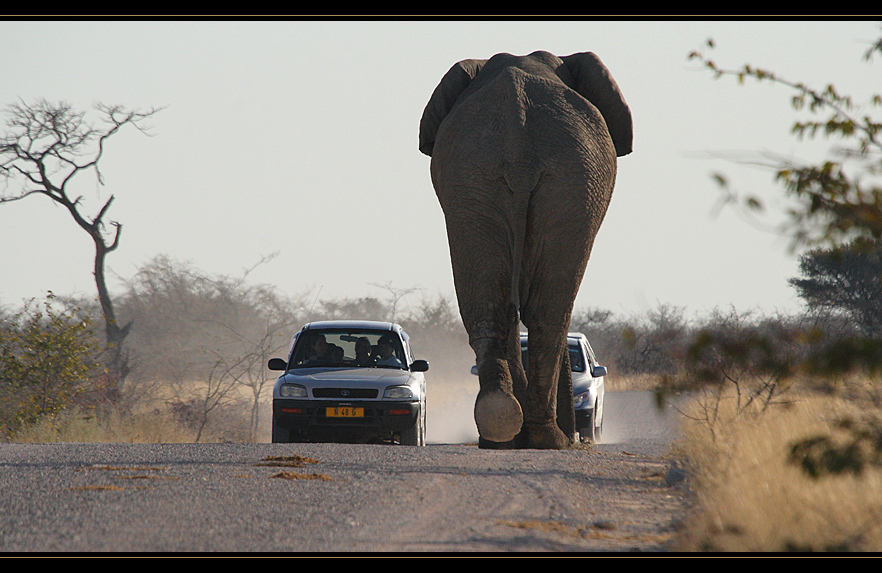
point(398, 393)
point(580, 399)
point(292, 391)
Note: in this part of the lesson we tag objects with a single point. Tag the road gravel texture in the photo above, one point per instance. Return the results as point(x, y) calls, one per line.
point(624, 494)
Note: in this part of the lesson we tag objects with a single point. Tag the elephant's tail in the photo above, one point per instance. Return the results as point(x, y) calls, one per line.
point(521, 188)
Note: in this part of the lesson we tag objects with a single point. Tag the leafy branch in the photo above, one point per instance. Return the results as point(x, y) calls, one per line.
point(835, 204)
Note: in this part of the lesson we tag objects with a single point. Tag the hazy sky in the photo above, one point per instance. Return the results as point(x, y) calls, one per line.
point(300, 138)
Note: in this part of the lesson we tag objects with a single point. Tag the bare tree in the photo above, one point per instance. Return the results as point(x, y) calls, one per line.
point(45, 146)
point(395, 296)
point(247, 368)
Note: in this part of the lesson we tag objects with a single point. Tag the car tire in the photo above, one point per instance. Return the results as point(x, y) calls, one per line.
point(416, 435)
point(281, 435)
point(590, 433)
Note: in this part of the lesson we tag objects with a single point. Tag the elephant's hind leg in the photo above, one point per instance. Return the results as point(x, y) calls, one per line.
point(498, 414)
point(560, 232)
point(566, 416)
point(481, 234)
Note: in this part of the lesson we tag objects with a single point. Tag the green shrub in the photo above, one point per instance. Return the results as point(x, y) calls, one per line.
point(46, 359)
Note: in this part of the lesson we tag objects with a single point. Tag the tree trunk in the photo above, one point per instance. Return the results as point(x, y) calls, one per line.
point(118, 360)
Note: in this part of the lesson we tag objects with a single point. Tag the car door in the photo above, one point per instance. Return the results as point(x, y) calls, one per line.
point(599, 381)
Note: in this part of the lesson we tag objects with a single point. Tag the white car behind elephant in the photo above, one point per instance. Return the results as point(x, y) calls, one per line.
point(588, 385)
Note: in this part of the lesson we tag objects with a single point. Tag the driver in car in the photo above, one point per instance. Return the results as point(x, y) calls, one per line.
point(386, 350)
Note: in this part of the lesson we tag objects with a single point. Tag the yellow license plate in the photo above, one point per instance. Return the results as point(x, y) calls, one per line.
point(344, 412)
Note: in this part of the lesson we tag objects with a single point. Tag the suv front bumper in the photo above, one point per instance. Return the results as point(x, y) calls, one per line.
point(311, 416)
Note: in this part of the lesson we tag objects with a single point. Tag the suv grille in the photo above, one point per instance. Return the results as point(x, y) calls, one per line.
point(345, 393)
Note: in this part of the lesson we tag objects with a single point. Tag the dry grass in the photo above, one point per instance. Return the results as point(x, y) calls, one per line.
point(75, 426)
point(748, 498)
point(151, 421)
point(631, 382)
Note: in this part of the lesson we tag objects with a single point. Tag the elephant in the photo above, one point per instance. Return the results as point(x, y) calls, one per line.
point(523, 162)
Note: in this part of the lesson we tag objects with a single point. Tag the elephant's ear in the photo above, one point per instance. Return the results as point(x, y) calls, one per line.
point(454, 82)
point(594, 83)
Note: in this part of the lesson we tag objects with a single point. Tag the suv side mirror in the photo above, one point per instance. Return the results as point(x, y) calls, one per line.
point(419, 366)
point(598, 372)
point(277, 364)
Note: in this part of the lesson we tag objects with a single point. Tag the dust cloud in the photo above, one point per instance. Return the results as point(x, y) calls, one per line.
point(628, 416)
point(634, 415)
point(449, 418)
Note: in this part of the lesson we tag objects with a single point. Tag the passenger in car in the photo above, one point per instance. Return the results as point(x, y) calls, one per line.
point(335, 354)
point(363, 352)
point(319, 349)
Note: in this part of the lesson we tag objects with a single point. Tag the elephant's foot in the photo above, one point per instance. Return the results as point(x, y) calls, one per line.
point(498, 416)
point(547, 437)
point(488, 445)
point(518, 443)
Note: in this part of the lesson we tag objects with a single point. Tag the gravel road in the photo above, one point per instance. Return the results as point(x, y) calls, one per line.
point(446, 497)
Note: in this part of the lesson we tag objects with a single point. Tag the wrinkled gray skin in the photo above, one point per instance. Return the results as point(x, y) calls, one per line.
point(523, 162)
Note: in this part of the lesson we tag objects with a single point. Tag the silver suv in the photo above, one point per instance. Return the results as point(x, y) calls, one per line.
point(350, 381)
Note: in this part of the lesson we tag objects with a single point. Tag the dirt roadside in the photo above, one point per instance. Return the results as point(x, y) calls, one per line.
point(599, 498)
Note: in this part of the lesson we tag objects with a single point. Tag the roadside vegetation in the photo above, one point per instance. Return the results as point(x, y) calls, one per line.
point(802, 476)
point(784, 438)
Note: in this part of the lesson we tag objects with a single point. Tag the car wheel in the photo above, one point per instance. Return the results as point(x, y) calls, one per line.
point(416, 435)
point(280, 435)
point(588, 432)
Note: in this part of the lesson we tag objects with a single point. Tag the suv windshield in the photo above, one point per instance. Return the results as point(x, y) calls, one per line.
point(357, 348)
point(577, 364)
